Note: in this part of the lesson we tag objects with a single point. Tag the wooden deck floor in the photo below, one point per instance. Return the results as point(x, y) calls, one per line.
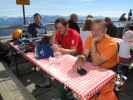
point(10, 87)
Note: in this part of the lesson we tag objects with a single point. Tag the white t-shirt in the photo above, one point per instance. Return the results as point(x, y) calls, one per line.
point(84, 34)
point(124, 50)
point(128, 37)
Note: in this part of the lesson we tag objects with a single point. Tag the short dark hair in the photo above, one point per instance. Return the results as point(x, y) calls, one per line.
point(107, 19)
point(62, 21)
point(89, 16)
point(36, 14)
point(73, 15)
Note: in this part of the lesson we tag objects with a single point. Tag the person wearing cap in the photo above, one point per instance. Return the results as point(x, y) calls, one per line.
point(87, 27)
point(36, 28)
point(128, 36)
point(126, 45)
point(43, 49)
point(101, 50)
point(66, 40)
point(72, 23)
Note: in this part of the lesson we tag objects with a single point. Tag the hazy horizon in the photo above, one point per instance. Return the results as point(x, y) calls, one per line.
point(54, 16)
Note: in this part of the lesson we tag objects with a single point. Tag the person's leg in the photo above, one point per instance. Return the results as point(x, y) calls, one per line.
point(107, 92)
point(4, 50)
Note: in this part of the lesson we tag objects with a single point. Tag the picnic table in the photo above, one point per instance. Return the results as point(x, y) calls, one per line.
point(61, 69)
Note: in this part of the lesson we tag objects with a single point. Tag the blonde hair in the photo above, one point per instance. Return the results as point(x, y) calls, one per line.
point(17, 34)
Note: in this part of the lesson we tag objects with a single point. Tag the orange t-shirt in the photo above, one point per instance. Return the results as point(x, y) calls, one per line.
point(106, 48)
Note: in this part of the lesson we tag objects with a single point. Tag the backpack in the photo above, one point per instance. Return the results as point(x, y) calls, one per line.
point(43, 50)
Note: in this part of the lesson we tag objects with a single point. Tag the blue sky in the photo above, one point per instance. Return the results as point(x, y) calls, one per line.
point(66, 7)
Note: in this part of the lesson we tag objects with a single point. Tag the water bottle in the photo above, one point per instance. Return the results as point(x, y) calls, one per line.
point(36, 53)
point(42, 52)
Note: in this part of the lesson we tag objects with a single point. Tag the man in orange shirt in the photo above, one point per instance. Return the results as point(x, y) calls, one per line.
point(100, 47)
point(103, 52)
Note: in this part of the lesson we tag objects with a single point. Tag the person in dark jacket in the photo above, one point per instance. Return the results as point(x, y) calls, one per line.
point(112, 29)
point(72, 23)
point(36, 28)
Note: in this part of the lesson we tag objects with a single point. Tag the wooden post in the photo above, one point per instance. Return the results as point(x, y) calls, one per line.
point(24, 19)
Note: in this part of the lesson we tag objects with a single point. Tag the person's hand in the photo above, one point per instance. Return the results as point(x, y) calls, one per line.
point(94, 44)
point(74, 67)
point(56, 48)
point(79, 62)
point(95, 37)
point(38, 30)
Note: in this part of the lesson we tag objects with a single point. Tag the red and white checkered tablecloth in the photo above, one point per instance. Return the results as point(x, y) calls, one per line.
point(16, 47)
point(61, 69)
point(87, 85)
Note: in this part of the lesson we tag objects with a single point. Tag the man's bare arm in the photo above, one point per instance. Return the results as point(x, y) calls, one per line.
point(96, 58)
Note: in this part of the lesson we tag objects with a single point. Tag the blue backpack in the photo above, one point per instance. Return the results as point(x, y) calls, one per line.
point(43, 50)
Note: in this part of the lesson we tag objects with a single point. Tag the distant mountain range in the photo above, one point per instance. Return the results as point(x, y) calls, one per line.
point(45, 19)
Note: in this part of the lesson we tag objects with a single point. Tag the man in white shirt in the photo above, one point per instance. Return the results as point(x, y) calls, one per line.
point(126, 45)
